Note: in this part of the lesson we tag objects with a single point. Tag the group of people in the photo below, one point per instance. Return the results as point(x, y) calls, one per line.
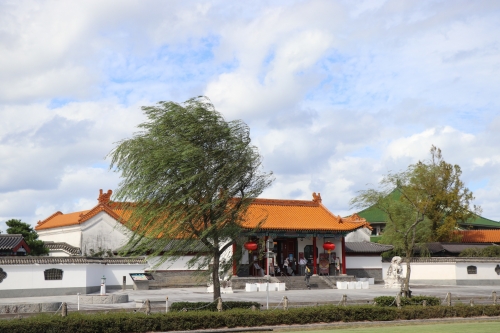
point(290, 265)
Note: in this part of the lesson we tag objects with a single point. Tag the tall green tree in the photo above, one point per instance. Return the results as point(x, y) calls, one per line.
point(189, 177)
point(423, 204)
point(30, 236)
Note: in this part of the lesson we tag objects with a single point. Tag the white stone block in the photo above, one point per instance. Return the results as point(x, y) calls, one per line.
point(351, 285)
point(365, 285)
point(358, 285)
point(371, 281)
point(251, 287)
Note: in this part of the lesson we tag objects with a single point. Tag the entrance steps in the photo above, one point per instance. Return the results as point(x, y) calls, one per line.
point(316, 281)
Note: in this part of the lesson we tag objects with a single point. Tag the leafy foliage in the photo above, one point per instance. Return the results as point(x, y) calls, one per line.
point(30, 236)
point(188, 177)
point(406, 301)
point(421, 205)
point(196, 320)
point(212, 306)
point(490, 251)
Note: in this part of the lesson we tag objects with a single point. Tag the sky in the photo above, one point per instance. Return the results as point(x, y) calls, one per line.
point(336, 93)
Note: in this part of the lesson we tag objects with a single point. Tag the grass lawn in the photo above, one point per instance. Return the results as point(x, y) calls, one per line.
point(463, 327)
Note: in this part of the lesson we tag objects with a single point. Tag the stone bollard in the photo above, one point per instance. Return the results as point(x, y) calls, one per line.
point(494, 296)
point(398, 300)
point(253, 308)
point(285, 303)
point(344, 300)
point(166, 305)
point(64, 309)
point(448, 299)
point(471, 302)
point(124, 283)
point(148, 306)
point(424, 303)
point(219, 305)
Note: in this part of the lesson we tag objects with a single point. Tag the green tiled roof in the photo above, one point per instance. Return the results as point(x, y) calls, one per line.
point(372, 214)
point(481, 221)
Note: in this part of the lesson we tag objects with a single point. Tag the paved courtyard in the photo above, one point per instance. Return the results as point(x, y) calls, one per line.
point(295, 297)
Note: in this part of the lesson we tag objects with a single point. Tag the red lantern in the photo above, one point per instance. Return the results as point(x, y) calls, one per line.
point(329, 246)
point(250, 246)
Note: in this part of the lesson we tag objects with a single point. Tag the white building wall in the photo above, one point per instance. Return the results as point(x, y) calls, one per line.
point(363, 262)
point(103, 232)
point(71, 235)
point(32, 277)
point(485, 271)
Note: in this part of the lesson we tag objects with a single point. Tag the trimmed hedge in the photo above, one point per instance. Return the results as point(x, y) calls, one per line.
point(211, 306)
point(175, 321)
point(405, 301)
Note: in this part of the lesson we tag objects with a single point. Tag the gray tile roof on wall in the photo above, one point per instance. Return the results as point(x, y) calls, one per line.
point(8, 242)
point(63, 247)
point(366, 247)
point(29, 260)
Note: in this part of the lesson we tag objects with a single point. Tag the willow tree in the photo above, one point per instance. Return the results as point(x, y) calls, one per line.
point(422, 204)
point(188, 177)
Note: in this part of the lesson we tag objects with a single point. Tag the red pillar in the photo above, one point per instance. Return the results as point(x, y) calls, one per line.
point(315, 255)
point(343, 255)
point(235, 270)
point(267, 259)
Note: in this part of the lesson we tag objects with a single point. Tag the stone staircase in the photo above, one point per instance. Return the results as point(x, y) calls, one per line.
point(298, 282)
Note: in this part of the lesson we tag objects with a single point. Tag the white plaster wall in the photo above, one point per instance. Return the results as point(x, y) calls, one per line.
point(359, 235)
point(103, 231)
point(360, 262)
point(32, 277)
point(58, 253)
point(114, 273)
point(432, 271)
point(485, 271)
point(178, 265)
point(70, 235)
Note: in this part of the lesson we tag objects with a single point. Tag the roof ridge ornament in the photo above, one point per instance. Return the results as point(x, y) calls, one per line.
point(104, 198)
point(317, 197)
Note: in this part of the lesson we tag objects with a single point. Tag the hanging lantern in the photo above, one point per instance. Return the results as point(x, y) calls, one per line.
point(250, 246)
point(329, 246)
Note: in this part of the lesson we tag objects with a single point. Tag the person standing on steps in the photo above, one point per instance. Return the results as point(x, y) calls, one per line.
point(308, 273)
point(302, 264)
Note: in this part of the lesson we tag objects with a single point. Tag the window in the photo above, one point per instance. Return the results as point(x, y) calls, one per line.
point(471, 270)
point(53, 274)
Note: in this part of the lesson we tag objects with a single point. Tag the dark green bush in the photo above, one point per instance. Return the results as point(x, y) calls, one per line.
point(211, 306)
point(405, 301)
point(176, 321)
point(489, 251)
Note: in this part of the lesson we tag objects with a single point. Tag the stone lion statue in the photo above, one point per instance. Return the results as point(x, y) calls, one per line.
point(394, 276)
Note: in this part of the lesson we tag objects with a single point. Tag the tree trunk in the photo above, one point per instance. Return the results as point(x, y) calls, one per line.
point(215, 275)
point(406, 287)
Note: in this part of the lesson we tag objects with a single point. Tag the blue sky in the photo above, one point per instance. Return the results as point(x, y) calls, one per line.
point(336, 93)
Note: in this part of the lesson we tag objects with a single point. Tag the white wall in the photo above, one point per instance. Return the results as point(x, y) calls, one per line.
point(178, 265)
point(450, 272)
point(70, 235)
point(359, 235)
point(361, 262)
point(74, 275)
point(103, 231)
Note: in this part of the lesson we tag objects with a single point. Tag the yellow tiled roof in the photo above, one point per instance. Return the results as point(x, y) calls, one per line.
point(285, 215)
point(298, 215)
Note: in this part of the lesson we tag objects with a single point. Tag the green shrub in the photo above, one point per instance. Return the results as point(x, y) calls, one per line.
point(489, 251)
point(194, 320)
point(211, 306)
point(405, 301)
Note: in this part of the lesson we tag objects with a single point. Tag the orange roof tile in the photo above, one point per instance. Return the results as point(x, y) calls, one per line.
point(298, 215)
point(286, 215)
point(480, 236)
